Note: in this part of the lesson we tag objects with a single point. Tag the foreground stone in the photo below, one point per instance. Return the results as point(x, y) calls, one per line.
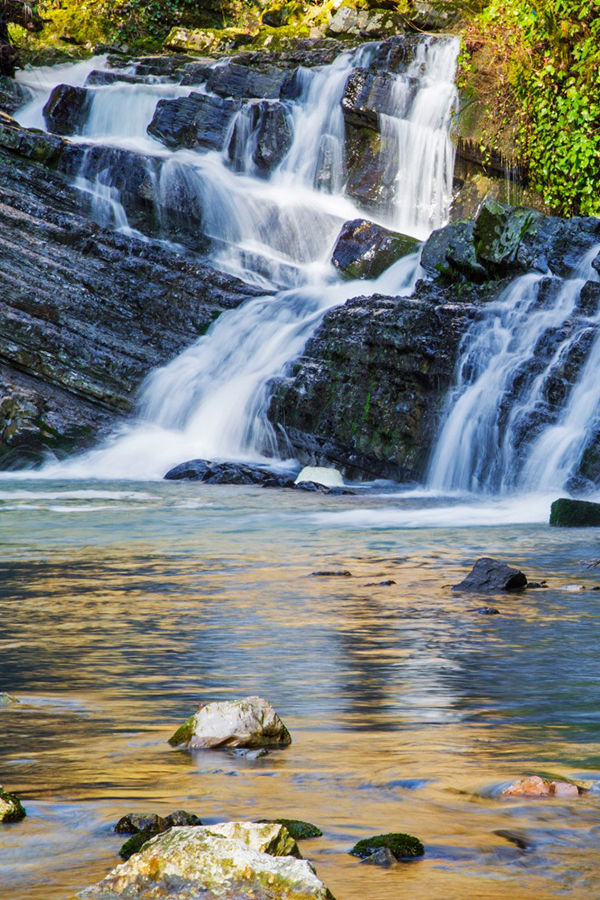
point(67, 109)
point(535, 786)
point(401, 846)
point(365, 250)
point(567, 513)
point(251, 722)
point(492, 575)
point(227, 861)
point(320, 475)
point(11, 808)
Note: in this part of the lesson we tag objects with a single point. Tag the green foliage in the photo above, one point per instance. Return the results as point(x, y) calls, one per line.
point(548, 57)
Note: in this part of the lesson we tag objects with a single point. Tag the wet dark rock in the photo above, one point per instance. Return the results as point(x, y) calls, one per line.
point(242, 81)
point(11, 808)
point(226, 473)
point(100, 77)
point(200, 120)
point(67, 109)
point(567, 513)
point(401, 846)
point(488, 610)
point(366, 395)
point(163, 66)
point(499, 231)
point(265, 125)
point(492, 575)
point(367, 95)
point(536, 585)
point(314, 487)
point(340, 573)
point(135, 843)
point(365, 250)
point(135, 823)
point(371, 164)
point(382, 857)
point(516, 836)
point(29, 143)
point(297, 829)
point(84, 320)
point(12, 94)
point(380, 583)
point(450, 252)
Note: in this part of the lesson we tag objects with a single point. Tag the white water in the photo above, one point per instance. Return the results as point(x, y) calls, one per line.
point(277, 233)
point(489, 438)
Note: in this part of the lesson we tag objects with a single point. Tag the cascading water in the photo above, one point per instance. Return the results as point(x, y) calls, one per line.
point(276, 231)
point(516, 418)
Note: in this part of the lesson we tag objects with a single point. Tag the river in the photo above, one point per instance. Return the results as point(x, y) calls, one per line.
point(124, 605)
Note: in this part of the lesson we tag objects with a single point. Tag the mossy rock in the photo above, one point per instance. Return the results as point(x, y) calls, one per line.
point(135, 843)
point(11, 808)
point(297, 829)
point(183, 734)
point(567, 513)
point(403, 846)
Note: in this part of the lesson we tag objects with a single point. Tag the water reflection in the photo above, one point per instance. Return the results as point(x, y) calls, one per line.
point(406, 706)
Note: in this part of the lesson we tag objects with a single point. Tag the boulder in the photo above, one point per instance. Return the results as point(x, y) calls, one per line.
point(382, 857)
point(241, 81)
point(263, 125)
point(365, 250)
point(401, 846)
point(200, 120)
point(101, 77)
point(67, 109)
point(450, 252)
point(535, 786)
point(222, 861)
point(320, 475)
point(369, 94)
point(11, 808)
point(297, 829)
point(251, 722)
point(226, 473)
point(568, 513)
point(489, 575)
point(498, 233)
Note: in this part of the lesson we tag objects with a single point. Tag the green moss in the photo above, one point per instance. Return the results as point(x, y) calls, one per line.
point(135, 843)
point(11, 808)
point(403, 846)
point(297, 829)
point(567, 513)
point(183, 734)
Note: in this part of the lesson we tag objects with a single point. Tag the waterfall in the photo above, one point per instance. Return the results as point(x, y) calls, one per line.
point(273, 227)
point(504, 427)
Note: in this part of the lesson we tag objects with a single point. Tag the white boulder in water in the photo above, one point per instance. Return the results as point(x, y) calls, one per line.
point(321, 475)
point(251, 722)
point(226, 861)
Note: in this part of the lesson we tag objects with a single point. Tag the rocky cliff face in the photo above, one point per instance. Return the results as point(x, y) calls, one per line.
point(85, 314)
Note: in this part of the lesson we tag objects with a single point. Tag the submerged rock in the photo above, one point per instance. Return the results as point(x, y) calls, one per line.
point(401, 846)
point(7, 699)
point(11, 808)
point(492, 575)
point(567, 513)
point(227, 861)
point(365, 250)
point(535, 786)
point(515, 836)
point(251, 722)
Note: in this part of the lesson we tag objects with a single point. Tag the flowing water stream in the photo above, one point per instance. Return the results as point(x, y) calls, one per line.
point(125, 603)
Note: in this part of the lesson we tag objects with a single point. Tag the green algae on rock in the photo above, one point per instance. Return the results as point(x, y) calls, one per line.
point(298, 829)
point(251, 722)
point(568, 513)
point(11, 808)
point(403, 846)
